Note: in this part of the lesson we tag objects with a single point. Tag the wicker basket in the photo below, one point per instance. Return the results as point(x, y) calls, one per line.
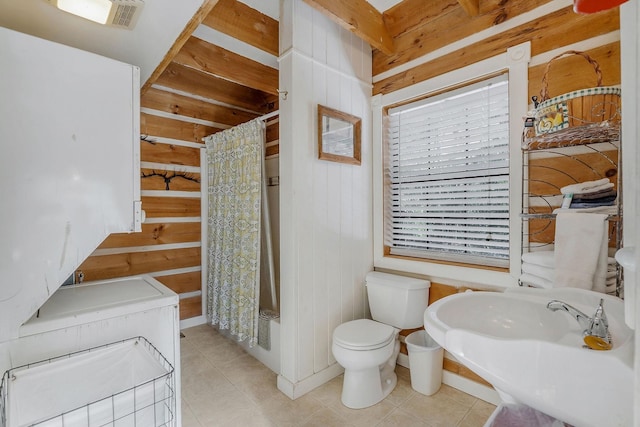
point(585, 107)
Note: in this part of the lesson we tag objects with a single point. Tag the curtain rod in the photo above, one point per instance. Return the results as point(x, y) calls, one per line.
point(264, 118)
point(269, 115)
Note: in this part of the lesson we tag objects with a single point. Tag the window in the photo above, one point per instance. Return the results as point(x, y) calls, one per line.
point(447, 175)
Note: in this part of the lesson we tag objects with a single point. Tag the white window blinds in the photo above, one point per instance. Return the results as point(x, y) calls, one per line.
point(447, 175)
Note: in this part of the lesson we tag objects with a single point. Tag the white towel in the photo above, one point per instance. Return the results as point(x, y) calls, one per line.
point(538, 270)
point(600, 275)
point(587, 187)
point(542, 258)
point(581, 250)
point(535, 281)
point(609, 210)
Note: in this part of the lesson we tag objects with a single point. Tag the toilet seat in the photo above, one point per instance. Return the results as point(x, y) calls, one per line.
point(363, 335)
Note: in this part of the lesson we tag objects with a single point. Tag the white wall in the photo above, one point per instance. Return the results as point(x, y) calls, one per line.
point(326, 210)
point(630, 53)
point(159, 25)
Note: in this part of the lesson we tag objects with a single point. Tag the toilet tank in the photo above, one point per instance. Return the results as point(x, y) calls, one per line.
point(397, 300)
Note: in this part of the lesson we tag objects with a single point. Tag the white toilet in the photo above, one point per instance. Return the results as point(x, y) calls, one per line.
point(368, 349)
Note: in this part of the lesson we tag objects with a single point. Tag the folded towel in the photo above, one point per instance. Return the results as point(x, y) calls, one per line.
point(538, 270)
point(597, 195)
point(541, 258)
point(593, 203)
point(535, 281)
point(587, 187)
point(609, 210)
point(581, 250)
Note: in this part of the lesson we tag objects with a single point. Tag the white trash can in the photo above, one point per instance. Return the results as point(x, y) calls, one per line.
point(425, 362)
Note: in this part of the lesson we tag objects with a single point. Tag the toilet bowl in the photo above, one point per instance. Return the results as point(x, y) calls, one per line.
point(368, 349)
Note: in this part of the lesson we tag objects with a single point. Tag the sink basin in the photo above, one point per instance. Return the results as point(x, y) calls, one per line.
point(536, 357)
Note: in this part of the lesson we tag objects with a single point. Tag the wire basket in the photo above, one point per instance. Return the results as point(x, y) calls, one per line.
point(577, 115)
point(127, 383)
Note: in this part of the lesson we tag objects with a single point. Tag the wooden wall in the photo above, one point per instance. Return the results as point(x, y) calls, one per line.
point(439, 38)
point(169, 246)
point(436, 37)
point(201, 88)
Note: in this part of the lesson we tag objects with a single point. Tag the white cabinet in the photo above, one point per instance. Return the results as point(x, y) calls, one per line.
point(69, 167)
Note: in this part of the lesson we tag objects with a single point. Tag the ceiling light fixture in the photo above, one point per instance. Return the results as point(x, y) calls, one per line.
point(119, 13)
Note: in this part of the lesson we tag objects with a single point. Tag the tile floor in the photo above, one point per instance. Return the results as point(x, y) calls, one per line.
point(222, 385)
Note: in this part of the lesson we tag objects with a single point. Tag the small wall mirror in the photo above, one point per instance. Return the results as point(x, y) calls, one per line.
point(338, 136)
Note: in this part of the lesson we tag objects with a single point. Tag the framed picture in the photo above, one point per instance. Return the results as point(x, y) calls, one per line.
point(338, 136)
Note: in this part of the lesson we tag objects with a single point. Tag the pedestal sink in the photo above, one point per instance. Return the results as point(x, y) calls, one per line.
point(534, 356)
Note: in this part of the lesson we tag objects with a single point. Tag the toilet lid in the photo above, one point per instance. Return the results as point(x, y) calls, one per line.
point(363, 334)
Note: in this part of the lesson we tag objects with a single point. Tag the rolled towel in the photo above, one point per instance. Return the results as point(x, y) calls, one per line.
point(538, 270)
point(535, 281)
point(587, 187)
point(541, 258)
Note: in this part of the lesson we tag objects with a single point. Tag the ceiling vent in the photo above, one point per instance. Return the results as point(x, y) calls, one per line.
point(116, 13)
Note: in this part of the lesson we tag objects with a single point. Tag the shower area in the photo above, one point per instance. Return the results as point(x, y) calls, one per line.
point(242, 293)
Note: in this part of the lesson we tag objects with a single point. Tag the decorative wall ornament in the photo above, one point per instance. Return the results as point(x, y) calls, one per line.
point(146, 138)
point(168, 176)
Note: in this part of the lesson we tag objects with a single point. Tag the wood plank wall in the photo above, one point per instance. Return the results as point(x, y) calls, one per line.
point(204, 89)
point(443, 38)
point(168, 248)
point(436, 37)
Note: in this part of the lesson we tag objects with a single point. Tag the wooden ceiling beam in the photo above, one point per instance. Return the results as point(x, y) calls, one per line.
point(189, 80)
point(215, 60)
point(185, 106)
point(472, 7)
point(410, 15)
point(435, 30)
point(239, 21)
point(359, 17)
point(204, 10)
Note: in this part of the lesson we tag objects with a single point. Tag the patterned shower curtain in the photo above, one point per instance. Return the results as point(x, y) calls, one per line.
point(234, 159)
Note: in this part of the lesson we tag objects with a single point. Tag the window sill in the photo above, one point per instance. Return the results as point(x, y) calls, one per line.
point(455, 274)
point(453, 263)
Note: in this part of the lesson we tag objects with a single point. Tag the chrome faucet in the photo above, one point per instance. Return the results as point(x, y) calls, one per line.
point(595, 329)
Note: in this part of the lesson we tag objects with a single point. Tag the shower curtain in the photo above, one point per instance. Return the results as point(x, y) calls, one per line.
point(235, 159)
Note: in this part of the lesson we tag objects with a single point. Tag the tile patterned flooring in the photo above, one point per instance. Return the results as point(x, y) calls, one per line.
point(222, 385)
